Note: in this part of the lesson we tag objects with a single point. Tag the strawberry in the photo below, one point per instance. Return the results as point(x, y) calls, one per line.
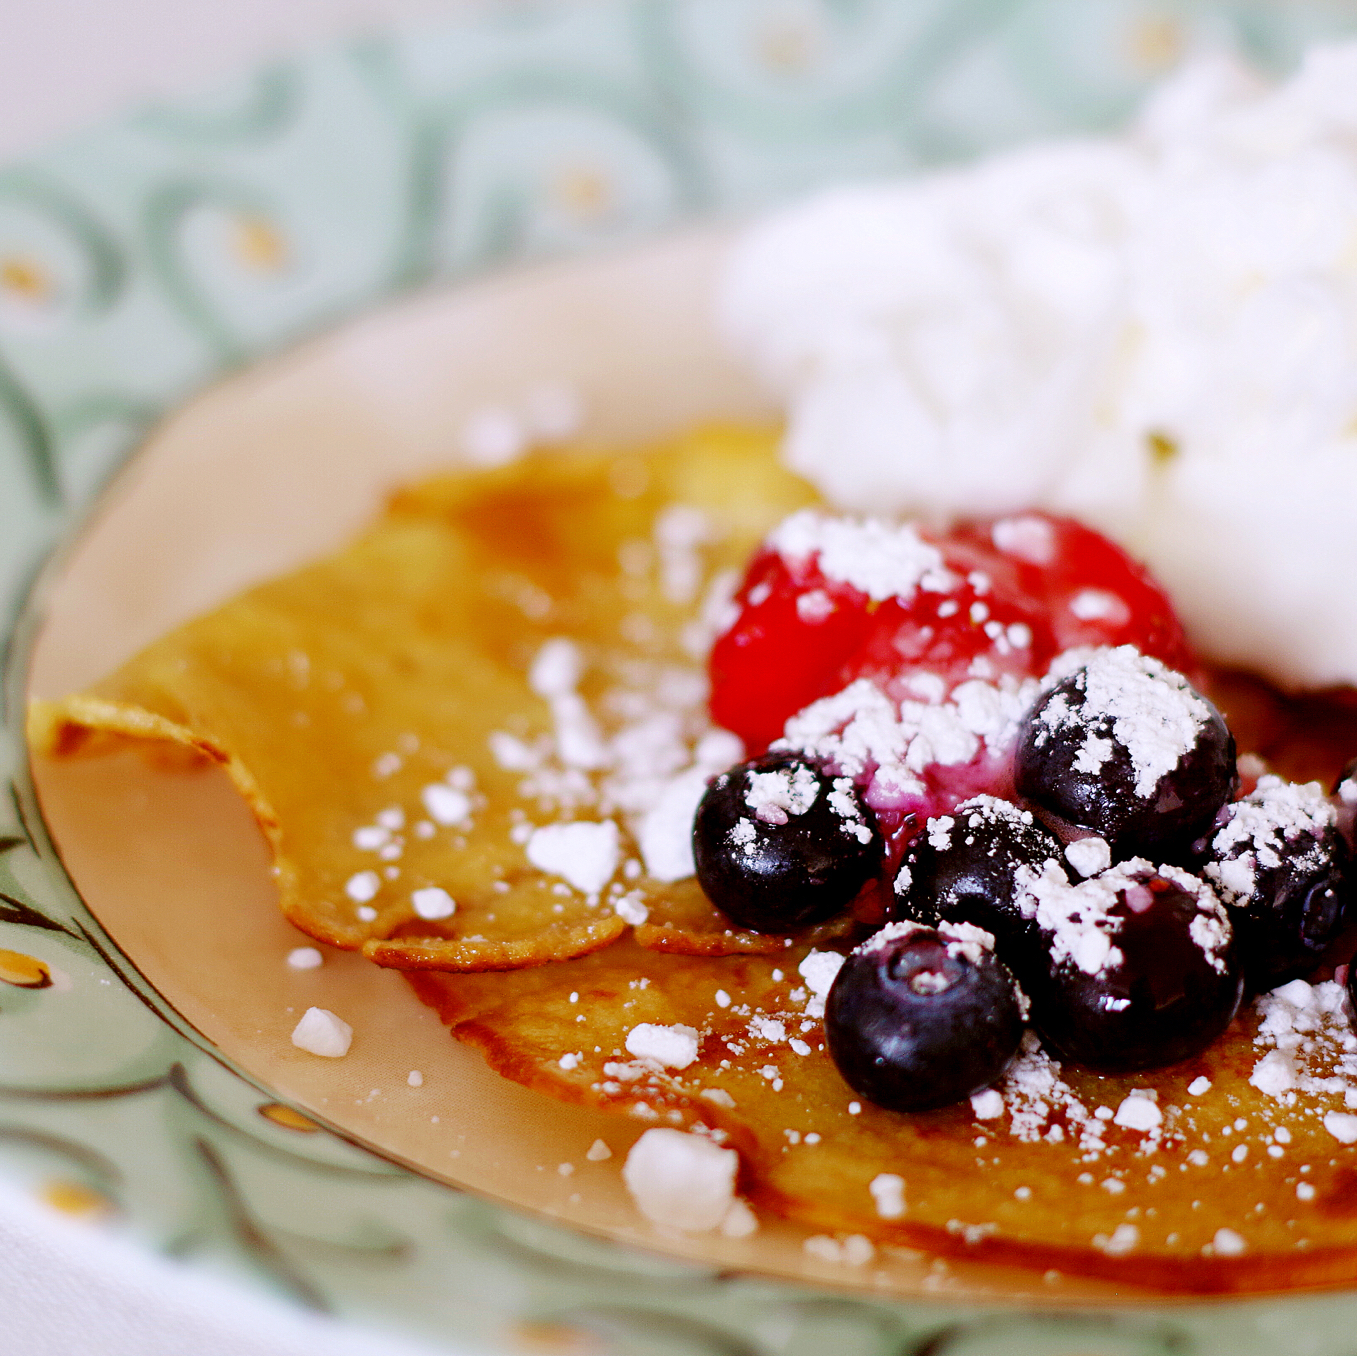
point(1012, 593)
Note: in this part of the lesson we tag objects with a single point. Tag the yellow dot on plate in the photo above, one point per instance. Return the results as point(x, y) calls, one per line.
point(259, 244)
point(554, 1339)
point(1161, 447)
point(25, 972)
point(789, 45)
point(1156, 42)
point(25, 278)
point(289, 1119)
point(75, 1198)
point(584, 191)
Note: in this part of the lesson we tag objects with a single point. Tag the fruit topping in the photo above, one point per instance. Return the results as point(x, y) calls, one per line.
point(781, 842)
point(1278, 862)
point(970, 867)
point(998, 716)
point(917, 758)
point(918, 1017)
point(829, 600)
point(1141, 969)
point(795, 630)
point(1089, 590)
point(1129, 749)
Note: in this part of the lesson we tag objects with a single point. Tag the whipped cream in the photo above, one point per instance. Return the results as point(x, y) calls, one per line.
point(1156, 333)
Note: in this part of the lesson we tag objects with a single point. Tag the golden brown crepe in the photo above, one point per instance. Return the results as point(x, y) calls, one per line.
point(349, 687)
point(354, 703)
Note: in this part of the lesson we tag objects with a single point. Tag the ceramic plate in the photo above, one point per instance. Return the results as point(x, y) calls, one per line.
point(461, 215)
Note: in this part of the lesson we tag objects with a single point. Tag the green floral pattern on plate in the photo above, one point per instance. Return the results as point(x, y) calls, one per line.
point(143, 259)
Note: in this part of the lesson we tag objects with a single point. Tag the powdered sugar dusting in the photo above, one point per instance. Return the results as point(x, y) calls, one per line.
point(773, 796)
point(1081, 919)
point(643, 751)
point(892, 932)
point(880, 560)
point(1310, 1049)
point(939, 832)
point(1078, 919)
point(819, 970)
point(1267, 826)
point(1088, 856)
point(1149, 710)
point(843, 802)
point(965, 939)
point(1026, 537)
point(1042, 1106)
point(889, 745)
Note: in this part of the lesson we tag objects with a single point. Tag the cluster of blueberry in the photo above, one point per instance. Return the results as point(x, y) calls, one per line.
point(1122, 900)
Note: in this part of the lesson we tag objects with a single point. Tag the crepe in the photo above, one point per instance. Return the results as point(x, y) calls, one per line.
point(391, 686)
point(351, 687)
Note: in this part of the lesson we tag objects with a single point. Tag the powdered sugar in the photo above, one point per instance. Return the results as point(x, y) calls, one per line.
point(1138, 1112)
point(683, 1181)
point(888, 1194)
point(775, 795)
point(1026, 537)
point(1078, 919)
point(665, 832)
point(1311, 1051)
point(433, 902)
point(320, 1032)
point(1082, 920)
point(557, 668)
point(987, 1105)
point(1210, 933)
point(980, 810)
point(1266, 827)
point(1042, 1106)
point(879, 559)
point(1342, 1126)
point(819, 970)
point(892, 932)
point(964, 939)
point(866, 735)
point(585, 853)
point(939, 832)
point(1150, 711)
point(671, 1047)
point(644, 751)
point(743, 836)
point(1088, 856)
point(843, 801)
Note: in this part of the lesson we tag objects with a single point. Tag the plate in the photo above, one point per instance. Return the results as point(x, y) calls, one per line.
point(159, 281)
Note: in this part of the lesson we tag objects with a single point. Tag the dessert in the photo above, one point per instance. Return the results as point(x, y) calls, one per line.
point(479, 737)
point(520, 862)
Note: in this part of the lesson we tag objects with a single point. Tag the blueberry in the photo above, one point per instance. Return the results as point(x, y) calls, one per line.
point(1280, 865)
point(1129, 749)
point(1141, 969)
point(919, 1018)
point(963, 869)
point(780, 842)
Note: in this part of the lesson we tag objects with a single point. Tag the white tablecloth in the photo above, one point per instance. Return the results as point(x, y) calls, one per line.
point(67, 1288)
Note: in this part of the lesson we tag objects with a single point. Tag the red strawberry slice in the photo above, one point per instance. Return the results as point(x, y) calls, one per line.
point(1090, 590)
point(795, 632)
point(1011, 594)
